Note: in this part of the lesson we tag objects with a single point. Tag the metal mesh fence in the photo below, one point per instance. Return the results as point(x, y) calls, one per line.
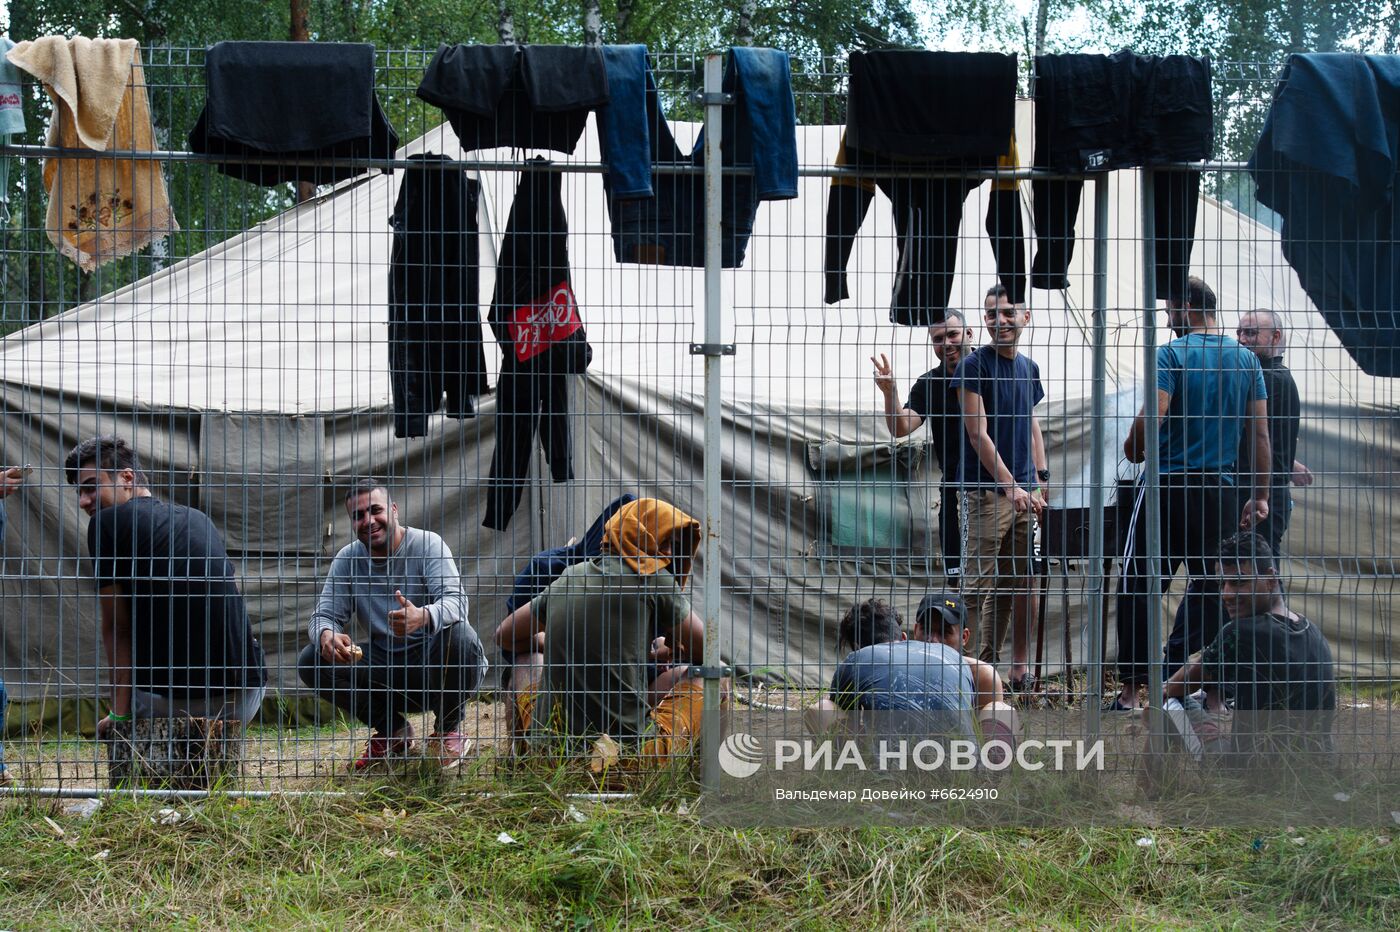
point(253, 359)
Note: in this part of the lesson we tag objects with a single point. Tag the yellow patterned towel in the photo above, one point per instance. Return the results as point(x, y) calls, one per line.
point(99, 209)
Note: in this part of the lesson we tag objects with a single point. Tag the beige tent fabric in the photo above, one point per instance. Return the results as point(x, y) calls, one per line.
point(99, 209)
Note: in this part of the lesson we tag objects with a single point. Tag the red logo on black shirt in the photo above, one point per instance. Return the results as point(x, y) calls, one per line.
point(537, 326)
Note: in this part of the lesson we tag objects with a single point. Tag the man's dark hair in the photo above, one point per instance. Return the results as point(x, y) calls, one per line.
point(873, 621)
point(955, 313)
point(1248, 549)
point(1199, 296)
point(365, 486)
point(107, 454)
point(998, 291)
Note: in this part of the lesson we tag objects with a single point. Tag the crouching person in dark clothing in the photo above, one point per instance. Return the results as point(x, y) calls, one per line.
point(421, 653)
point(174, 625)
point(1272, 663)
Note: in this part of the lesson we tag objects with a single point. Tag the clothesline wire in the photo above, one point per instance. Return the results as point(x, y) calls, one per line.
point(662, 168)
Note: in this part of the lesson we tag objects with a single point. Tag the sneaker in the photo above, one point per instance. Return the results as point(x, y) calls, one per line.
point(1117, 706)
point(380, 749)
point(449, 748)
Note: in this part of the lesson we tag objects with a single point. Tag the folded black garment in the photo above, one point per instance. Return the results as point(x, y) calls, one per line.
point(519, 97)
point(1104, 112)
point(931, 105)
point(293, 101)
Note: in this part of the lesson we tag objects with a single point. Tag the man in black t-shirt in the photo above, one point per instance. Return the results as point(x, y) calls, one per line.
point(934, 400)
point(1273, 662)
point(174, 626)
point(1261, 332)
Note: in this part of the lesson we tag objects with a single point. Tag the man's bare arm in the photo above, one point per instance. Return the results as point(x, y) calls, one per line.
point(1135, 447)
point(900, 419)
point(1257, 508)
point(116, 642)
point(517, 633)
point(974, 418)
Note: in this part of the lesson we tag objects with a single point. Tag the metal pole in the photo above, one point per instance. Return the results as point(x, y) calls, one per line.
point(1152, 472)
point(710, 550)
point(1094, 668)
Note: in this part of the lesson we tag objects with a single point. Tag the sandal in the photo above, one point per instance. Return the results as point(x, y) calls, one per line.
point(1025, 684)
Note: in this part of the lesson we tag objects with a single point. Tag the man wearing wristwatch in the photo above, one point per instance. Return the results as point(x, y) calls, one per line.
point(174, 625)
point(1003, 480)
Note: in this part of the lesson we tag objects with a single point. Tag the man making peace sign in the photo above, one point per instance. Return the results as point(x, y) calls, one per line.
point(421, 655)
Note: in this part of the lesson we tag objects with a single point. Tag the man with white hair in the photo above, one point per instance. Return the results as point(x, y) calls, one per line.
point(1262, 332)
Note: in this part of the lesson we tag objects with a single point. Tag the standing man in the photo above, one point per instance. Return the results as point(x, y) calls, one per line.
point(934, 400)
point(1003, 477)
point(10, 481)
point(1210, 392)
point(421, 654)
point(1261, 332)
point(174, 626)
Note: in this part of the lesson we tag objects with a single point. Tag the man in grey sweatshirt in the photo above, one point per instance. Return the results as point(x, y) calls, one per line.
point(421, 653)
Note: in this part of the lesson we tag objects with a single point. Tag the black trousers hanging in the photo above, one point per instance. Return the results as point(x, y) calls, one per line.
point(532, 398)
point(1055, 207)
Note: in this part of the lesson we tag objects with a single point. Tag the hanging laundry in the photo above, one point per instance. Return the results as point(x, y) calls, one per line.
point(922, 105)
point(927, 215)
point(536, 319)
point(1328, 161)
point(937, 111)
point(518, 97)
point(295, 102)
point(1105, 112)
point(434, 324)
point(11, 118)
point(661, 220)
point(99, 209)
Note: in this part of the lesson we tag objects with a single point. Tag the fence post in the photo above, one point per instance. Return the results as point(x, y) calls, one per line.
point(710, 549)
point(1094, 668)
point(1151, 479)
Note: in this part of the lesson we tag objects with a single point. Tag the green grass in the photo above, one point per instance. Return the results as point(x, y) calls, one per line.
point(429, 856)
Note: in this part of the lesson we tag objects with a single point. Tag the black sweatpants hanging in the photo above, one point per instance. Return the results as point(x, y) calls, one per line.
point(927, 217)
point(1106, 112)
point(532, 398)
point(536, 322)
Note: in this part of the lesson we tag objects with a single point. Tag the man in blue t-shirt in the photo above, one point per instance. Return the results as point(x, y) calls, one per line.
point(915, 687)
point(1002, 476)
point(1210, 393)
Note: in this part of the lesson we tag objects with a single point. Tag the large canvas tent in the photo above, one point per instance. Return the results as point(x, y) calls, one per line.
point(254, 379)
